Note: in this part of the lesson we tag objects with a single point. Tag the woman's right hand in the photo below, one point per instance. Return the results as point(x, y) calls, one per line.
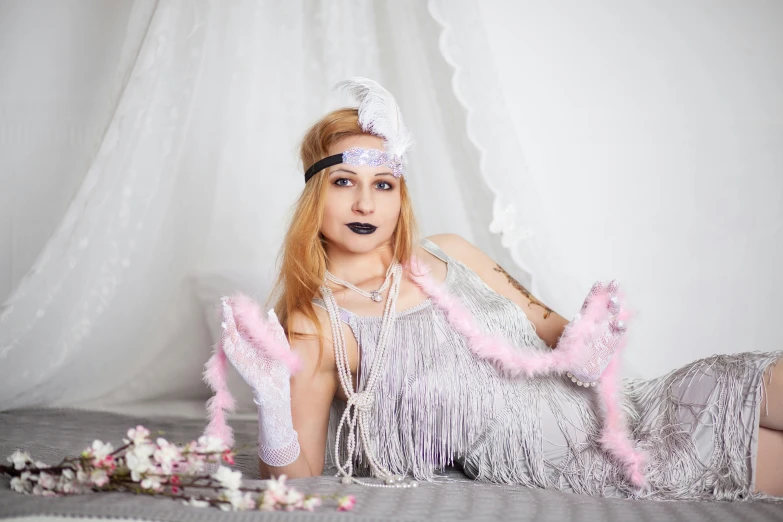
point(257, 369)
point(270, 380)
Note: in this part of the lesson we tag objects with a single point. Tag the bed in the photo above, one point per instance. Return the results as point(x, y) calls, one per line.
point(52, 433)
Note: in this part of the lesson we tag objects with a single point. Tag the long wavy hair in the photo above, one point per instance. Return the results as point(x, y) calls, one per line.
point(302, 258)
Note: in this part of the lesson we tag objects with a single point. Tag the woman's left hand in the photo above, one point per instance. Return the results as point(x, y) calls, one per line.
point(606, 338)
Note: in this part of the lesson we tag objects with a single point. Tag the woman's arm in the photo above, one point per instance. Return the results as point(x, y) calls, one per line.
point(312, 392)
point(549, 325)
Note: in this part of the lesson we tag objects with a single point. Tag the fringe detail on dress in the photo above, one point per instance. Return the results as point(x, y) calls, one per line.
point(572, 351)
point(675, 470)
point(437, 404)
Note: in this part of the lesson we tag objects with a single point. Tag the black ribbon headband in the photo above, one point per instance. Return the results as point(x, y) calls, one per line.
point(357, 156)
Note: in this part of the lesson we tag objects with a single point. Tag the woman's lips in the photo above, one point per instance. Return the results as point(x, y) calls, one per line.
point(361, 228)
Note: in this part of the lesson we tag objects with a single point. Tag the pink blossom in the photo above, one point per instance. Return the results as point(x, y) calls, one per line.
point(346, 503)
point(137, 435)
point(228, 457)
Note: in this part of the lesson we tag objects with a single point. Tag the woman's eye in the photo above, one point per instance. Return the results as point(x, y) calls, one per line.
point(387, 184)
point(339, 183)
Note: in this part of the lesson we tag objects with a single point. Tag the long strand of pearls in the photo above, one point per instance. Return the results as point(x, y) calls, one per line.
point(356, 414)
point(375, 295)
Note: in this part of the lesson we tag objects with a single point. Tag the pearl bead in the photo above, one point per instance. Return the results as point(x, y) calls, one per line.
point(347, 480)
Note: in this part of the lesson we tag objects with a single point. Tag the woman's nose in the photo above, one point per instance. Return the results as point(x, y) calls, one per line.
point(364, 203)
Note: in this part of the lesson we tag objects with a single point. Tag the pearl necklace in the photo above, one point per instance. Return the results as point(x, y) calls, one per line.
point(361, 402)
point(375, 295)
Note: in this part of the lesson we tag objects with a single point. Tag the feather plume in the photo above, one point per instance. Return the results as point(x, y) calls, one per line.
point(379, 113)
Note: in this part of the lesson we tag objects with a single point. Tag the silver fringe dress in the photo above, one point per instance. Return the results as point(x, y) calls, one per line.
point(437, 405)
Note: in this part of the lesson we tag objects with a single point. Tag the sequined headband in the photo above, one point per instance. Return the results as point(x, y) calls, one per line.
point(356, 156)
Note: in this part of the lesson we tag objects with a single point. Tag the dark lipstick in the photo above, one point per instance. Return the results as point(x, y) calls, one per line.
point(361, 228)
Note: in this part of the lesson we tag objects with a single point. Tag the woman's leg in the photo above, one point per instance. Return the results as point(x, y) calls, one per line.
point(769, 458)
point(769, 462)
point(772, 409)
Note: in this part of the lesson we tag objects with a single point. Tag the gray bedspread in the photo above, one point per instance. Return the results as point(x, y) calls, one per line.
point(51, 434)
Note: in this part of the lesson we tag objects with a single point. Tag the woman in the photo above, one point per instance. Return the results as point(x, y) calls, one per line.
point(390, 380)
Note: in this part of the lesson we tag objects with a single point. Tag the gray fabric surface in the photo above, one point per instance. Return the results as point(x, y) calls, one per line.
point(51, 434)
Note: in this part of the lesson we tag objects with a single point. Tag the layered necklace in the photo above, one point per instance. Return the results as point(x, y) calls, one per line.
point(375, 295)
point(357, 410)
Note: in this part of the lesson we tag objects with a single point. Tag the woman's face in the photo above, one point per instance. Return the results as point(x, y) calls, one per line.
point(360, 195)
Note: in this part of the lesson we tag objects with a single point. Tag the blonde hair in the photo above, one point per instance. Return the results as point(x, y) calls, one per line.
point(302, 258)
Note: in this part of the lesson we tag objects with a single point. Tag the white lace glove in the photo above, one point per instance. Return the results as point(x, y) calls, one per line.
point(607, 335)
point(278, 443)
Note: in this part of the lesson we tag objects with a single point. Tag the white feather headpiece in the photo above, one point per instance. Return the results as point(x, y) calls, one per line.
point(380, 115)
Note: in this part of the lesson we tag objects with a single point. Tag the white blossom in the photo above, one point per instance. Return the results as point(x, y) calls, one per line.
point(293, 497)
point(166, 455)
point(239, 501)
point(311, 503)
point(99, 477)
point(152, 482)
point(47, 480)
point(99, 450)
point(19, 458)
point(228, 479)
point(21, 485)
point(138, 460)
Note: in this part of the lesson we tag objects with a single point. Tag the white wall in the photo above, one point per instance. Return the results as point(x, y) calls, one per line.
point(671, 112)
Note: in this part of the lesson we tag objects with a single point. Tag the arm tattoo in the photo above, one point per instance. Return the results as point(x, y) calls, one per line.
point(533, 300)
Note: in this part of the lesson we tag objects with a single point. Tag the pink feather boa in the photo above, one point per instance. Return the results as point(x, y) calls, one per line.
point(261, 335)
point(572, 351)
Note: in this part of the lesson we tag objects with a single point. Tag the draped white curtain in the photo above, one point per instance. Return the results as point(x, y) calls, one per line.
point(177, 187)
point(188, 194)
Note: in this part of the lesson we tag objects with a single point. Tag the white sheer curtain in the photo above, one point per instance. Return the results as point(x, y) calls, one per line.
point(635, 140)
point(186, 196)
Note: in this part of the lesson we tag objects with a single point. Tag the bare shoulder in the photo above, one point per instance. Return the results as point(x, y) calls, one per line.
point(464, 251)
point(549, 325)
